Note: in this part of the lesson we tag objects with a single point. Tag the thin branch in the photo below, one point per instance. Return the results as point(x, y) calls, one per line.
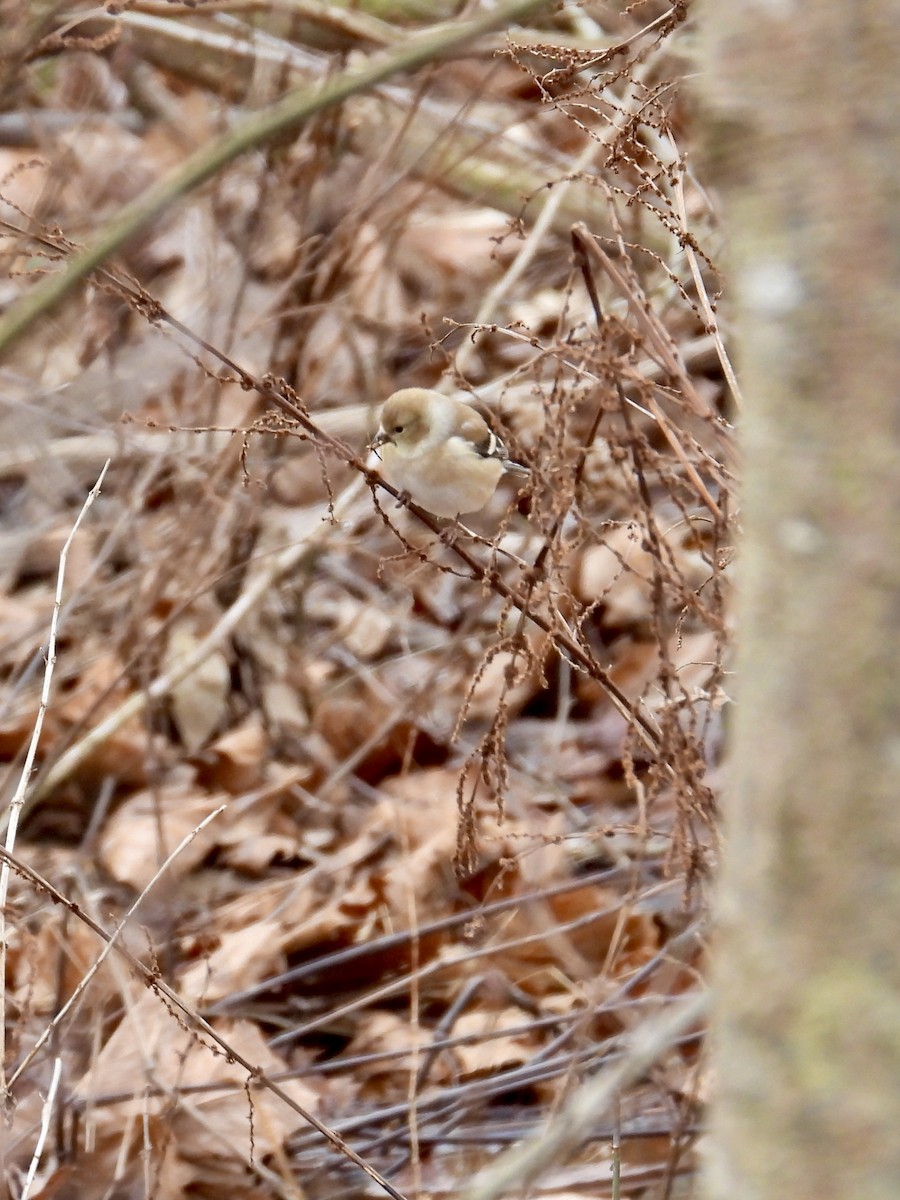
point(709, 314)
point(46, 1114)
point(111, 944)
point(17, 806)
point(171, 998)
point(523, 1163)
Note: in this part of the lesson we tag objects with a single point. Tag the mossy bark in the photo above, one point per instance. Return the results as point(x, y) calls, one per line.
point(802, 111)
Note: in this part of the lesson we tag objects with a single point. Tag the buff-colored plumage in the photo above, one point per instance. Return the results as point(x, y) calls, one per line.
point(440, 452)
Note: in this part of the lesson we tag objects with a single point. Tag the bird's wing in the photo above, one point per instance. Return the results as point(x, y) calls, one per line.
point(476, 431)
point(472, 427)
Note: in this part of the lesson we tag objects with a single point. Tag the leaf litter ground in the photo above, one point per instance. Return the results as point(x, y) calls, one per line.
point(458, 825)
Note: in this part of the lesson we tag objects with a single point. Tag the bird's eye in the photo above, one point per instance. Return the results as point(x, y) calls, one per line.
point(398, 429)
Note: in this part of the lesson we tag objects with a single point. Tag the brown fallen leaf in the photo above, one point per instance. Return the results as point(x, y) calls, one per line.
point(140, 834)
point(199, 703)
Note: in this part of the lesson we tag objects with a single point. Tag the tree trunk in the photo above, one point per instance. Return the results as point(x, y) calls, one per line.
point(803, 132)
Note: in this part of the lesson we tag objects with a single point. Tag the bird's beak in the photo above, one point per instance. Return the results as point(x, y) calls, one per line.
point(378, 440)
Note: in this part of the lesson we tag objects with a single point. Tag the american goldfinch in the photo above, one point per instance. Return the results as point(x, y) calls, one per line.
point(440, 452)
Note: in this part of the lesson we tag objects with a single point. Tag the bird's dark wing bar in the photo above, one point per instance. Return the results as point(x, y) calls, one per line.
point(485, 442)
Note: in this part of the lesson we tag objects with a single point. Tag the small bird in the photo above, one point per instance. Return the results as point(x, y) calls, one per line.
point(440, 452)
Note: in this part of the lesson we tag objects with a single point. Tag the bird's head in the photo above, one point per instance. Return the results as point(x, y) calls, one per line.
point(405, 420)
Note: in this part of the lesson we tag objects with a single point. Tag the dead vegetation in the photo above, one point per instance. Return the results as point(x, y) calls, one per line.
point(434, 812)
